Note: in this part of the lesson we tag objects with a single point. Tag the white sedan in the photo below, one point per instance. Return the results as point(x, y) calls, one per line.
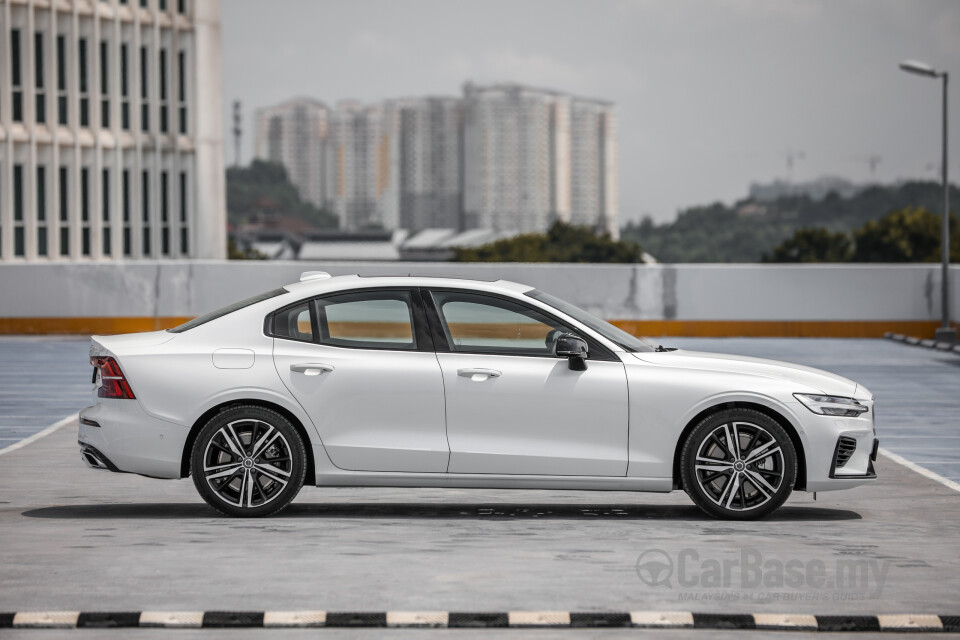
point(357, 381)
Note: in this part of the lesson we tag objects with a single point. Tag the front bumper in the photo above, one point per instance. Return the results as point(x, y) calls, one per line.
point(822, 436)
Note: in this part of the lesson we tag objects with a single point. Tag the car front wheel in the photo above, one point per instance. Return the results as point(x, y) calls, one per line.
point(738, 464)
point(248, 461)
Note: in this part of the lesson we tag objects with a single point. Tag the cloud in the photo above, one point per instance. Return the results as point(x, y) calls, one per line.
point(373, 43)
point(510, 65)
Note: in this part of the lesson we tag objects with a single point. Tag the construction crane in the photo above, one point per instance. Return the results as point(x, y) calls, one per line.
point(793, 156)
point(237, 132)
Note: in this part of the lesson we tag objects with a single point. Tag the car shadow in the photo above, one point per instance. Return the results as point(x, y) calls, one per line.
point(430, 510)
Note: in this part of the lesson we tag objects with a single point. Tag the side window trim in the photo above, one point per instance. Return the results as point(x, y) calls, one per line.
point(597, 350)
point(270, 322)
point(423, 340)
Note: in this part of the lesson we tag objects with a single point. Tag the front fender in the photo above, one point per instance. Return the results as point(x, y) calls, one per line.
point(664, 400)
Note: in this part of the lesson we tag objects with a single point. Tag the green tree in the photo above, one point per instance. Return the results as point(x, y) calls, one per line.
point(746, 230)
point(911, 234)
point(263, 188)
point(813, 245)
point(236, 253)
point(562, 243)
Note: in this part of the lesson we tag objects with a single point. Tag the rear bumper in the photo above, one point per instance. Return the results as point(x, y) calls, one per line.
point(96, 460)
point(119, 436)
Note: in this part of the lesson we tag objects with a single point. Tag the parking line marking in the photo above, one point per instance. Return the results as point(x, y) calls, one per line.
point(926, 473)
point(294, 618)
point(40, 434)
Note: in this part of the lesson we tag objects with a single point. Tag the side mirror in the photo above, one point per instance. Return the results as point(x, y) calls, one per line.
point(574, 348)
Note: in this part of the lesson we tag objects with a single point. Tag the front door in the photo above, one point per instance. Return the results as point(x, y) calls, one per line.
point(513, 407)
point(359, 367)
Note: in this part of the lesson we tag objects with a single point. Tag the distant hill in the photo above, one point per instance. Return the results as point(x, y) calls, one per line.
point(748, 229)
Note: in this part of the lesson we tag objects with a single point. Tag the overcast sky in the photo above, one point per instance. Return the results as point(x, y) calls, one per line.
point(711, 95)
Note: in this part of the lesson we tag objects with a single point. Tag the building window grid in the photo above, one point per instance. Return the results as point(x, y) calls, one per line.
point(61, 70)
point(19, 241)
point(165, 213)
point(184, 227)
point(106, 243)
point(42, 210)
point(40, 101)
point(124, 87)
point(64, 211)
point(85, 211)
point(182, 90)
point(105, 84)
point(62, 111)
point(84, 86)
point(145, 203)
point(164, 107)
point(16, 77)
point(144, 89)
point(125, 195)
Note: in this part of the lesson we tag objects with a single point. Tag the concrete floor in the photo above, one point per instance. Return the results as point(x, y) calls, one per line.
point(80, 539)
point(77, 539)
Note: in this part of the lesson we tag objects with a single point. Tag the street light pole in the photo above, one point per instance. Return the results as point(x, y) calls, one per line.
point(945, 333)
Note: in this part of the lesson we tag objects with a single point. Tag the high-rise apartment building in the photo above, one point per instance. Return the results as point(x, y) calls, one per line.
point(593, 165)
point(362, 157)
point(504, 157)
point(431, 163)
point(111, 130)
point(294, 134)
point(533, 156)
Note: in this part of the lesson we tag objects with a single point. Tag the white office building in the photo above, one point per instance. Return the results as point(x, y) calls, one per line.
point(294, 134)
point(111, 130)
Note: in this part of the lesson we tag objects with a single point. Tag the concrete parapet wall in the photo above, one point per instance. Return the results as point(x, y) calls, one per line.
point(688, 299)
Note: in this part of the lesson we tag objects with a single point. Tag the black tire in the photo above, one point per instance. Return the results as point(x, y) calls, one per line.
point(746, 480)
point(237, 480)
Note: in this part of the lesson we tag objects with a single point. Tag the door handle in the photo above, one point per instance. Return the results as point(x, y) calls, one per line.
point(311, 369)
point(478, 375)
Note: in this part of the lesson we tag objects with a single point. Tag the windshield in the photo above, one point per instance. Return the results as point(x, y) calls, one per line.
point(230, 308)
point(604, 328)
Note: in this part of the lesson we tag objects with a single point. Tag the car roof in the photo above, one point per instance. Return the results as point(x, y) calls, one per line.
point(339, 283)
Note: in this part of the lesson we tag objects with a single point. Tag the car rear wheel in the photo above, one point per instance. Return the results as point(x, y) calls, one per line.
point(738, 464)
point(248, 461)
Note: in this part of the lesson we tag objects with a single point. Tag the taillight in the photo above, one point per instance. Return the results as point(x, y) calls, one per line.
point(113, 384)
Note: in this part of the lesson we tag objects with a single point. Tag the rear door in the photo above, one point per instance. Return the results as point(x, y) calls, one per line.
point(513, 407)
point(362, 366)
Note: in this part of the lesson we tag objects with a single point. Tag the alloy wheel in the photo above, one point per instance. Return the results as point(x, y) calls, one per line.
point(247, 463)
point(740, 466)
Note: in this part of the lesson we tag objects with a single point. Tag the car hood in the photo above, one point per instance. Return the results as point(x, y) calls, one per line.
point(822, 381)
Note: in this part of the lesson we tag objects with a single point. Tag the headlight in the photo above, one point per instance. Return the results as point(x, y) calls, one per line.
point(831, 405)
